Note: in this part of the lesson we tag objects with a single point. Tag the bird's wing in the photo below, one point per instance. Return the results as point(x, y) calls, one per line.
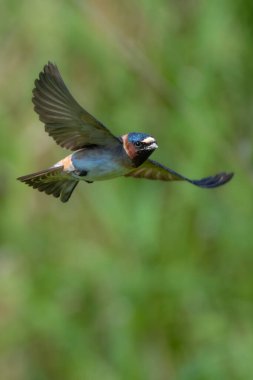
point(65, 120)
point(153, 170)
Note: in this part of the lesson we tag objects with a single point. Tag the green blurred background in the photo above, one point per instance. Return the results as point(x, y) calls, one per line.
point(131, 279)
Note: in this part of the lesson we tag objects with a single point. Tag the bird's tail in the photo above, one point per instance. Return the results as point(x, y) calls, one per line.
point(52, 181)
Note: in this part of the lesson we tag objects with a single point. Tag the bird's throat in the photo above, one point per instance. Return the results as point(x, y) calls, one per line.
point(141, 157)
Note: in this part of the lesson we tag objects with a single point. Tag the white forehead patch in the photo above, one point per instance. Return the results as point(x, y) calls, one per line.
point(148, 140)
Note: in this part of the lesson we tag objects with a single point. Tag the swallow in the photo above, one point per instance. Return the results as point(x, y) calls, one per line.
point(97, 154)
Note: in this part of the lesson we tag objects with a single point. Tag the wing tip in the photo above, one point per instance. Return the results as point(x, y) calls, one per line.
point(214, 181)
point(49, 69)
point(50, 66)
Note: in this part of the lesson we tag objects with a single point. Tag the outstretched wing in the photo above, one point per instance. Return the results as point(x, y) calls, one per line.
point(153, 170)
point(65, 120)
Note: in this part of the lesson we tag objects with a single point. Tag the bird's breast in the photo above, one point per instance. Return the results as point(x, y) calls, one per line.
point(100, 164)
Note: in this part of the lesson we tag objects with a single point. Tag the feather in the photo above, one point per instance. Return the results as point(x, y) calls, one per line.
point(154, 170)
point(52, 181)
point(65, 120)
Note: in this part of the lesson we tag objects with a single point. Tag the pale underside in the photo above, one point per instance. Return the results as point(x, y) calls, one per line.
point(94, 165)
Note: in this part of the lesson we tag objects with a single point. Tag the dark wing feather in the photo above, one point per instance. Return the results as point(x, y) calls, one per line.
point(65, 120)
point(153, 170)
point(52, 181)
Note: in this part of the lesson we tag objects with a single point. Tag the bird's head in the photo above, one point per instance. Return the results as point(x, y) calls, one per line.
point(138, 146)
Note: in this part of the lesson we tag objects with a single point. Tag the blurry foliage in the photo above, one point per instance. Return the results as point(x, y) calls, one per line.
point(131, 279)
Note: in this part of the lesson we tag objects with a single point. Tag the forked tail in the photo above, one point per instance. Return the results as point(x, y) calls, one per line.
point(52, 181)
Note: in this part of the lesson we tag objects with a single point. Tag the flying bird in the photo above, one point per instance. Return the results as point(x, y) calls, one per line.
point(97, 153)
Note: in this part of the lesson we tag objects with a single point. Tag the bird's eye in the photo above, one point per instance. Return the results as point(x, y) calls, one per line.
point(137, 143)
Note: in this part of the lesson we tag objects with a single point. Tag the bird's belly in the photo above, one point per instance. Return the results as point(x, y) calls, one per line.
point(102, 170)
point(99, 167)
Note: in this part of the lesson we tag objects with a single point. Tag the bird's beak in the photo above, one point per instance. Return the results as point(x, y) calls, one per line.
point(152, 146)
point(150, 143)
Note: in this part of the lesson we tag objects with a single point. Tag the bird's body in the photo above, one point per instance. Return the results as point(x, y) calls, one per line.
point(96, 164)
point(97, 154)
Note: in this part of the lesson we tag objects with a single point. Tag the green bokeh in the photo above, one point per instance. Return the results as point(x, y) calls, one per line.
point(132, 279)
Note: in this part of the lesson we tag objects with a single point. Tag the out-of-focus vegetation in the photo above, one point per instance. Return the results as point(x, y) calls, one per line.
point(131, 279)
